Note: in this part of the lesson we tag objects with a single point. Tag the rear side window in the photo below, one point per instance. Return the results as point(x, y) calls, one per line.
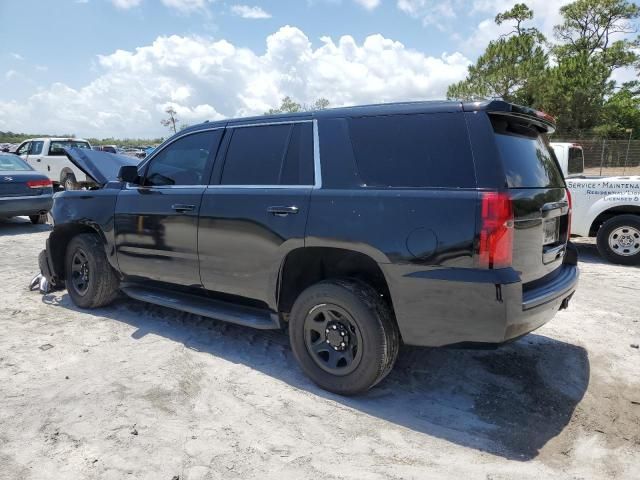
point(527, 158)
point(270, 155)
point(413, 151)
point(56, 147)
point(576, 161)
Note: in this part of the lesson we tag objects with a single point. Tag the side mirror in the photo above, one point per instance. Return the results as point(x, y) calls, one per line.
point(129, 174)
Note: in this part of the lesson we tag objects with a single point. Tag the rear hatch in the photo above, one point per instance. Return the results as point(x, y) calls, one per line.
point(541, 205)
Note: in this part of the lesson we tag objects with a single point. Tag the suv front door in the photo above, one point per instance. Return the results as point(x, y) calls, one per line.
point(156, 222)
point(255, 211)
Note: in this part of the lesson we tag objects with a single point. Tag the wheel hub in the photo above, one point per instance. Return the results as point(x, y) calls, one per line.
point(625, 241)
point(337, 336)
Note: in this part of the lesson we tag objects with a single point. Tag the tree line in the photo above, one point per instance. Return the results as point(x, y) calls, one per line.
point(570, 78)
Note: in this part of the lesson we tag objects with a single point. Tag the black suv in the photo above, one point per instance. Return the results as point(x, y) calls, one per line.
point(427, 223)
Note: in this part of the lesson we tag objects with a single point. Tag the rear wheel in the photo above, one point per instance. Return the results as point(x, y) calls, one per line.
point(619, 240)
point(343, 335)
point(38, 219)
point(70, 182)
point(90, 280)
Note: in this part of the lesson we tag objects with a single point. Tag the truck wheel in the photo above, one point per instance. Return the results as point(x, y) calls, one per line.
point(90, 280)
point(619, 239)
point(343, 335)
point(70, 182)
point(38, 219)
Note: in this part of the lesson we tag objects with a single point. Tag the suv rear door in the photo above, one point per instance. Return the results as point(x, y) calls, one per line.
point(255, 210)
point(538, 192)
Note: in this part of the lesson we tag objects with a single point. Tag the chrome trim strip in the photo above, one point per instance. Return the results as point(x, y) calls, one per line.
point(285, 122)
point(130, 186)
point(258, 187)
point(317, 168)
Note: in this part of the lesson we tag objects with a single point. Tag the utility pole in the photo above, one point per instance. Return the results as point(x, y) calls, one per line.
point(630, 131)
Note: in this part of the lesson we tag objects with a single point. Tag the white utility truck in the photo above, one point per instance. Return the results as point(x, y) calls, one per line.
point(47, 156)
point(607, 208)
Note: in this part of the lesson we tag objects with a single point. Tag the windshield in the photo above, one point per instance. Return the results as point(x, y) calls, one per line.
point(9, 163)
point(527, 158)
point(57, 146)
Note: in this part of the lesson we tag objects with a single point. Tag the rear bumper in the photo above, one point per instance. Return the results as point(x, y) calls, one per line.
point(463, 306)
point(27, 205)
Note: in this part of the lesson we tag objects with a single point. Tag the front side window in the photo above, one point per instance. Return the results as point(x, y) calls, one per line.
point(36, 148)
point(23, 149)
point(57, 146)
point(184, 161)
point(270, 155)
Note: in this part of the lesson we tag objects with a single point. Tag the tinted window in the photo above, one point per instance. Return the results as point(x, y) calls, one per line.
point(527, 158)
point(12, 163)
point(184, 161)
point(56, 147)
point(270, 155)
point(412, 151)
point(576, 161)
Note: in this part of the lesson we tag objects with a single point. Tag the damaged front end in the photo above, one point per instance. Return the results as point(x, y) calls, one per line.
point(80, 211)
point(45, 281)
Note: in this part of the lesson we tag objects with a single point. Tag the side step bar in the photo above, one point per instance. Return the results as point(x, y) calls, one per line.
point(219, 310)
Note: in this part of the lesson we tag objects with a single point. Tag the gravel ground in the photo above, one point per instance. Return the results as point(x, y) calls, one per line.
point(142, 392)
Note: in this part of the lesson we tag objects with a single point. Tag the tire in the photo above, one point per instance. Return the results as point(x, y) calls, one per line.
point(70, 183)
point(99, 287)
point(330, 311)
point(619, 240)
point(38, 219)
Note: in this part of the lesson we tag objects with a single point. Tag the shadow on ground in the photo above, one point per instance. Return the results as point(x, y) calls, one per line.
point(508, 402)
point(20, 226)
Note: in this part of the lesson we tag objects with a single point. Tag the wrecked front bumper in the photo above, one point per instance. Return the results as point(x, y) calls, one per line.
point(46, 281)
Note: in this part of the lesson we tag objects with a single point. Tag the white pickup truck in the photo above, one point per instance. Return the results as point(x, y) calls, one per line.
point(607, 208)
point(47, 156)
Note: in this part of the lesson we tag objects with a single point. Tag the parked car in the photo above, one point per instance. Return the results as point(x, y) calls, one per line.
point(23, 191)
point(429, 224)
point(607, 208)
point(46, 155)
point(106, 148)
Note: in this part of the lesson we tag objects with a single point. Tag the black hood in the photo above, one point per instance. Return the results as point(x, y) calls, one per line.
point(102, 167)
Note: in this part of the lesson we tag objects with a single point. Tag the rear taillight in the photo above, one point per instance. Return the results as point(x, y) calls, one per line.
point(496, 231)
point(39, 183)
point(569, 214)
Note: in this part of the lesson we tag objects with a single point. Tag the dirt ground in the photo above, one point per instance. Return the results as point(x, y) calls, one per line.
point(142, 392)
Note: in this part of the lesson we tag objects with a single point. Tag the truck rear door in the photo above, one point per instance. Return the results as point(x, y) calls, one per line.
point(540, 201)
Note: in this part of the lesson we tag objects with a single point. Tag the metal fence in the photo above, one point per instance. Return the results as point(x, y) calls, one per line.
point(608, 156)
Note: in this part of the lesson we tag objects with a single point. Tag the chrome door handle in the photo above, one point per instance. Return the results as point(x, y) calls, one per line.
point(181, 208)
point(283, 211)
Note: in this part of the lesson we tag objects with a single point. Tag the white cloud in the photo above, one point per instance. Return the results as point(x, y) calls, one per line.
point(205, 79)
point(430, 12)
point(368, 4)
point(126, 4)
point(186, 6)
point(16, 56)
point(10, 74)
point(245, 11)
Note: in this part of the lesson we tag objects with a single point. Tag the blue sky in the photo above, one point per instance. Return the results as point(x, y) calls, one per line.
point(110, 67)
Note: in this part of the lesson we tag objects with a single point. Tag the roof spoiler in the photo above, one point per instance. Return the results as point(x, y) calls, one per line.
point(541, 119)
